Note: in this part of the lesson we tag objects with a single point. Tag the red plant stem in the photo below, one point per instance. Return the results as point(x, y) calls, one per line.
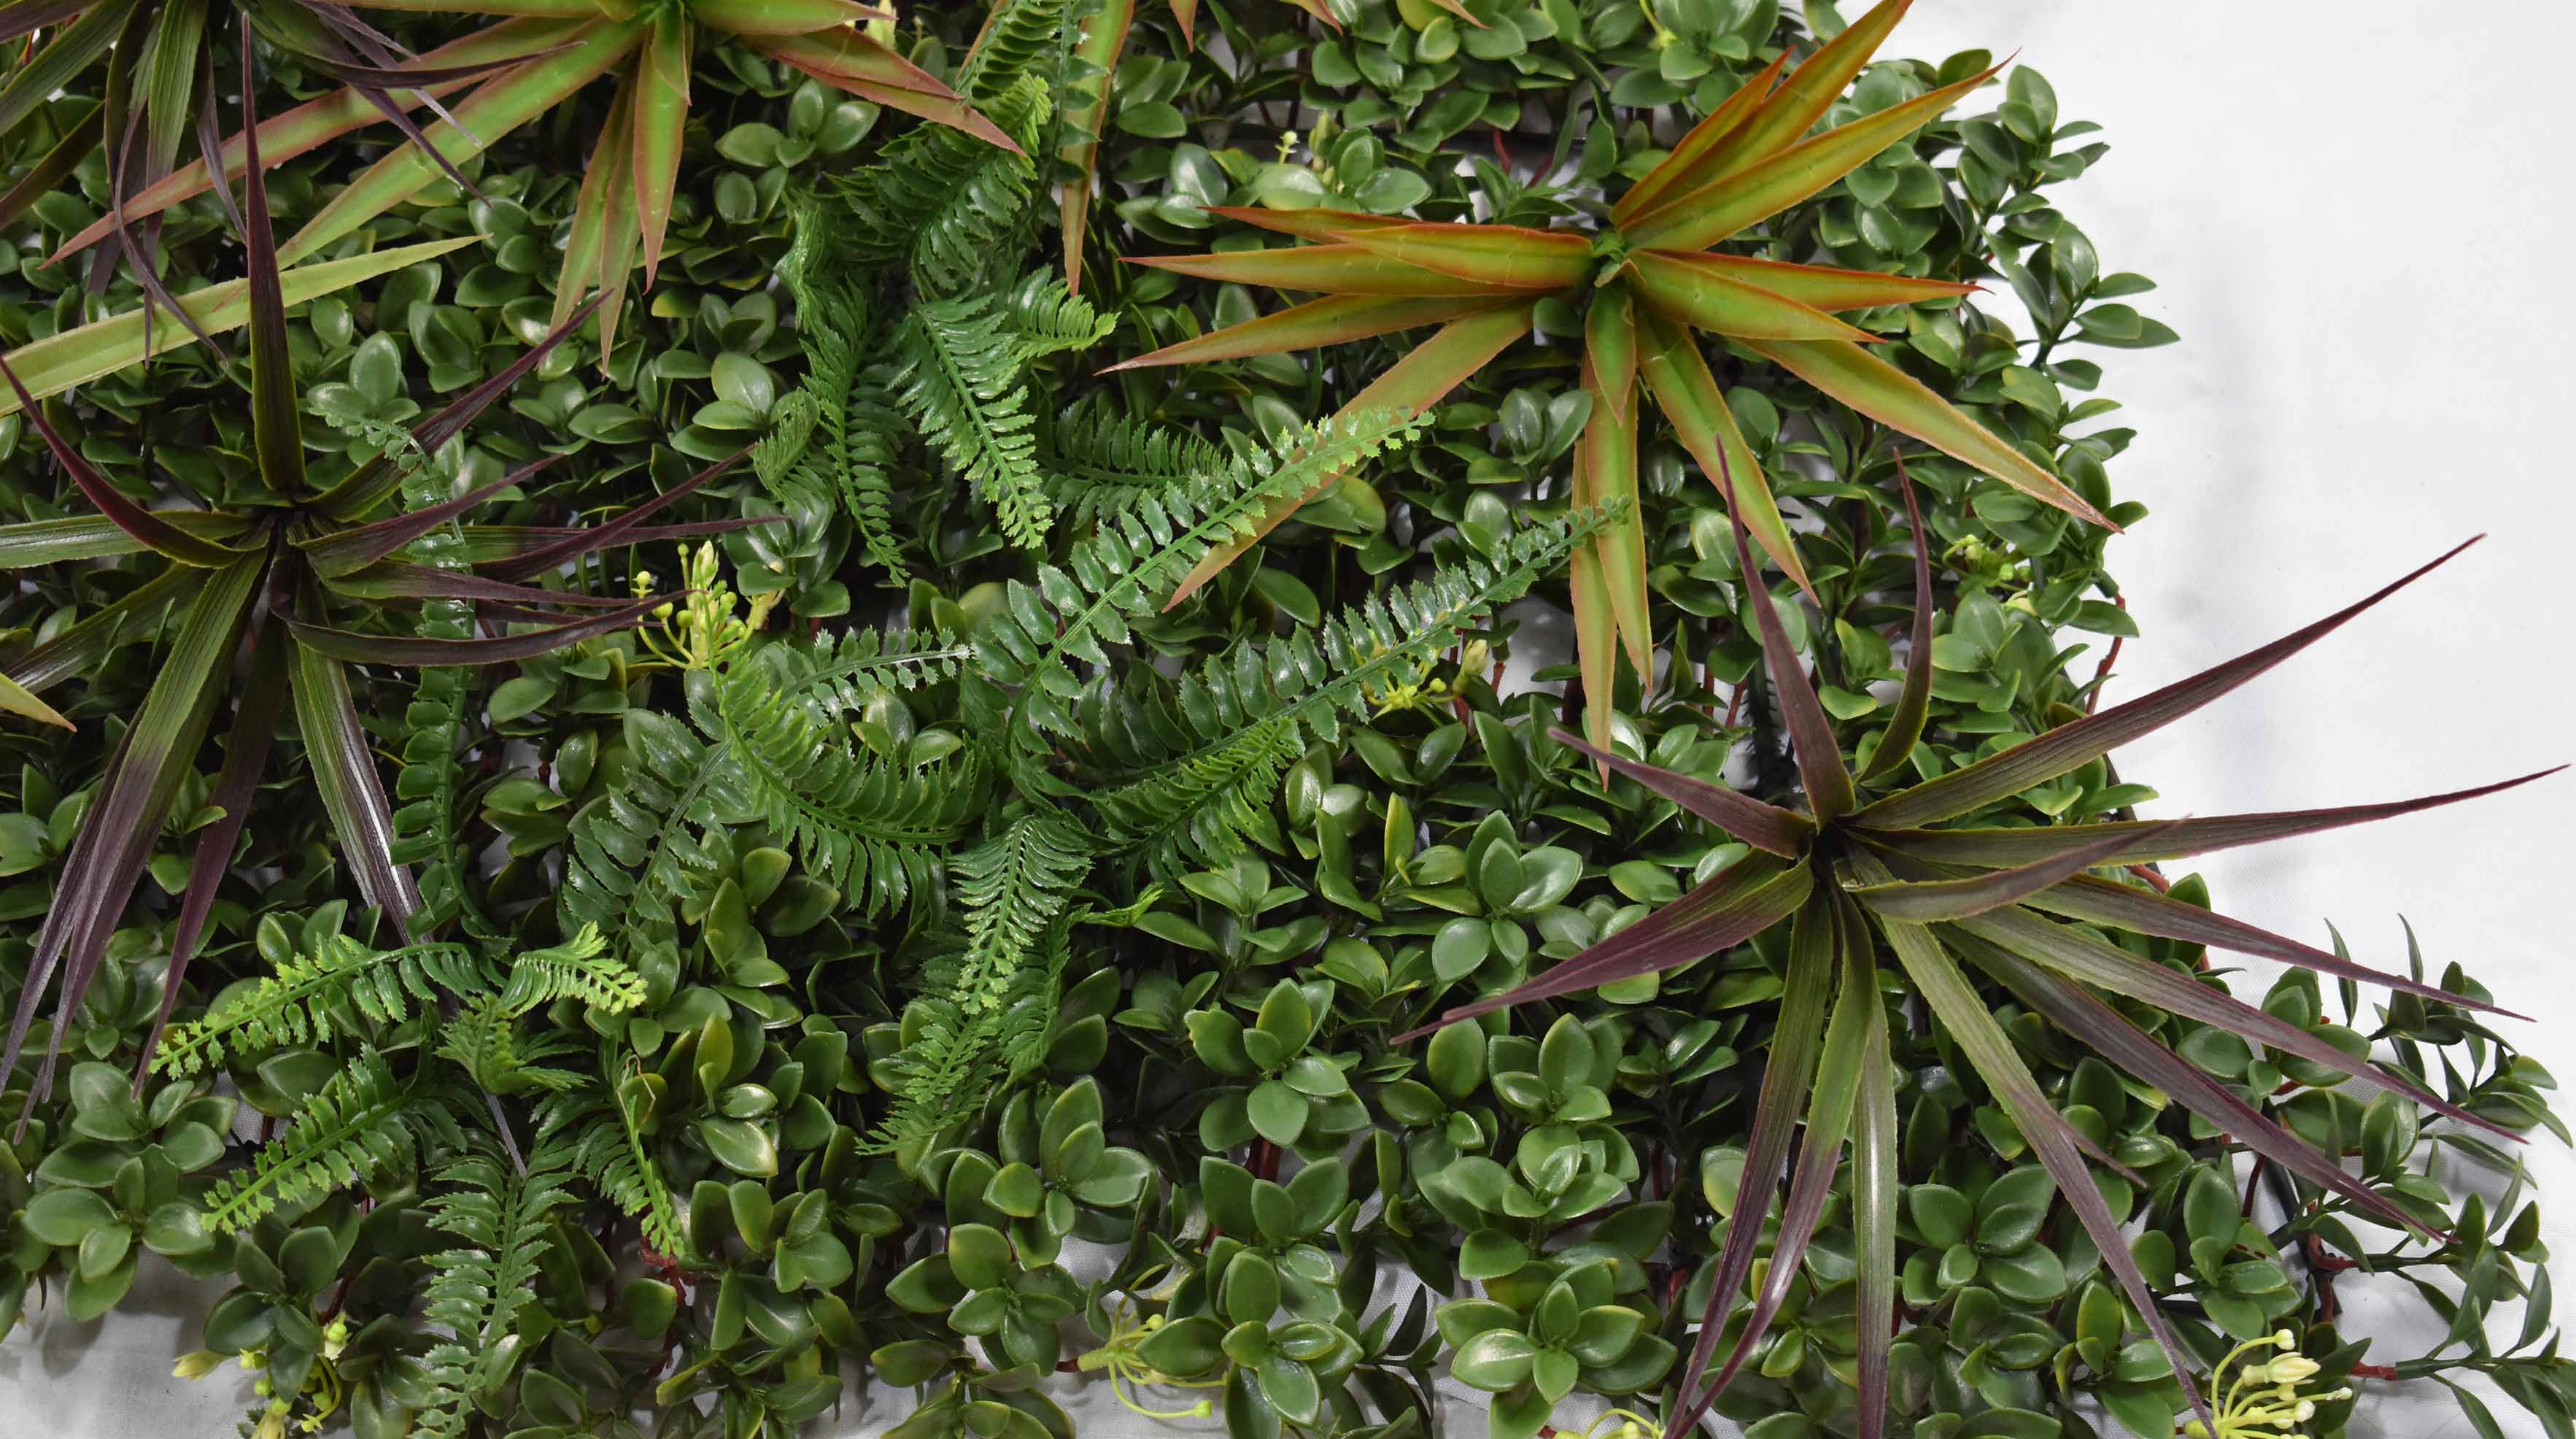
point(2110, 657)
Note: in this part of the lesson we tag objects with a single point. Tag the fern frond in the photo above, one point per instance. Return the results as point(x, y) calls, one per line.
point(639, 849)
point(360, 1124)
point(1013, 890)
point(834, 437)
point(1045, 318)
point(476, 1291)
point(1022, 36)
point(1125, 571)
point(874, 825)
point(311, 1000)
point(611, 1150)
point(957, 378)
point(1096, 459)
point(1188, 777)
point(949, 203)
point(579, 968)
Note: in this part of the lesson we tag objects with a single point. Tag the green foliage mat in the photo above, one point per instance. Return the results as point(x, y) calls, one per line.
point(713, 700)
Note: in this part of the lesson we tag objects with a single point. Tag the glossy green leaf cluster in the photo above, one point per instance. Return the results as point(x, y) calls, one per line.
point(712, 705)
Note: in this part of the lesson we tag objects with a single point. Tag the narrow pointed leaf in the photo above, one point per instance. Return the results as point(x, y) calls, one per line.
point(276, 424)
point(1596, 631)
point(2077, 1011)
point(343, 551)
point(1605, 461)
point(1822, 286)
point(1839, 1075)
point(1878, 389)
point(661, 114)
point(17, 700)
point(497, 107)
point(1972, 1026)
point(344, 770)
point(615, 532)
point(339, 645)
point(1796, 1041)
point(1104, 38)
point(2173, 839)
point(1765, 827)
point(1697, 219)
point(143, 612)
point(782, 17)
point(1924, 901)
point(1410, 386)
point(1610, 344)
point(75, 357)
point(1333, 320)
point(1875, 1188)
point(1811, 730)
point(395, 579)
point(1688, 395)
point(91, 537)
point(1677, 170)
point(1914, 699)
point(1730, 907)
point(2082, 957)
point(246, 746)
point(1509, 256)
point(1339, 269)
point(853, 61)
point(2036, 761)
point(157, 754)
point(147, 529)
point(71, 51)
point(1317, 225)
point(2143, 911)
point(1706, 297)
point(79, 142)
point(1805, 96)
point(317, 122)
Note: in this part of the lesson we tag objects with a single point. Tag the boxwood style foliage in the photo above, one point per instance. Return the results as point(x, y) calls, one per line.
point(1295, 709)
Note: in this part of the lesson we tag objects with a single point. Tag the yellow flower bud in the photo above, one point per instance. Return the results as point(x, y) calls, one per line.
point(197, 1365)
point(2294, 1369)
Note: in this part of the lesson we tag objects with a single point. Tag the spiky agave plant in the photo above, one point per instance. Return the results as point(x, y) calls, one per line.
point(1647, 282)
point(263, 578)
point(1859, 875)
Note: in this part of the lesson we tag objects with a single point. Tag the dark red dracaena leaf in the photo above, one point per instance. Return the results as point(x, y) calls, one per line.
point(356, 648)
point(1796, 1042)
point(2074, 1009)
point(394, 579)
point(371, 483)
point(2143, 911)
point(344, 770)
point(246, 746)
point(1811, 730)
point(2039, 760)
point(1765, 827)
point(343, 551)
point(277, 427)
point(616, 532)
point(1730, 907)
point(2174, 839)
point(148, 529)
point(2097, 962)
point(1914, 700)
point(1926, 900)
point(1839, 1077)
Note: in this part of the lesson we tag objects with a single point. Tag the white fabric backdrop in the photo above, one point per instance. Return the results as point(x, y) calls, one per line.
point(2357, 212)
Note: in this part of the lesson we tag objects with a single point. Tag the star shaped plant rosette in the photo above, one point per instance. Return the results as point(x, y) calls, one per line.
point(1648, 284)
point(1863, 872)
